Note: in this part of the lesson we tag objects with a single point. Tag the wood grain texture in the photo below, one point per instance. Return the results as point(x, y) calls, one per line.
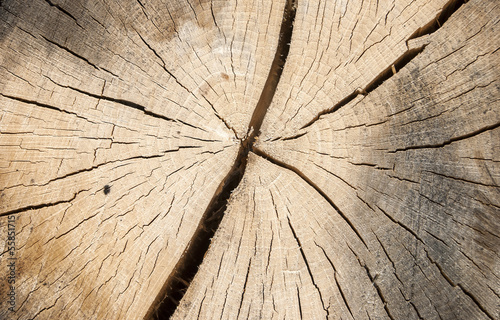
point(414, 167)
point(371, 190)
point(115, 93)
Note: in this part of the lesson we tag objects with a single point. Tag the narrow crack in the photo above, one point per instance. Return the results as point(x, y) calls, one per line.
point(459, 285)
point(309, 271)
point(63, 11)
point(451, 140)
point(183, 273)
point(74, 173)
point(476, 301)
point(163, 65)
point(244, 288)
point(180, 279)
point(342, 294)
point(379, 291)
point(97, 166)
point(41, 206)
point(72, 53)
point(126, 103)
point(312, 184)
point(43, 105)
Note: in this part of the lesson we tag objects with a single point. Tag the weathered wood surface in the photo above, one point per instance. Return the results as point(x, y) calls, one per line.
point(371, 192)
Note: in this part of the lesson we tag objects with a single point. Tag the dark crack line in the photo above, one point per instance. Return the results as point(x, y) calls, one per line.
point(72, 53)
point(448, 10)
point(443, 274)
point(100, 165)
point(385, 75)
point(164, 66)
point(275, 72)
point(312, 184)
point(436, 23)
point(221, 118)
point(379, 291)
point(461, 180)
point(413, 233)
point(186, 268)
point(46, 106)
point(292, 137)
point(63, 11)
point(300, 303)
point(459, 285)
point(336, 107)
point(336, 280)
point(304, 258)
point(455, 139)
point(244, 288)
point(126, 103)
point(476, 301)
point(40, 206)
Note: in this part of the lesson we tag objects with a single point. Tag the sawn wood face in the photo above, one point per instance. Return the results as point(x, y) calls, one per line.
point(365, 186)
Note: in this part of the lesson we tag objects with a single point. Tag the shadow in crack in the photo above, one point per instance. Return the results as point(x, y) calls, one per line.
point(187, 267)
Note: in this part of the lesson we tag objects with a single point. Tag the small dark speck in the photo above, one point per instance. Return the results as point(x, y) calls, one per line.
point(107, 189)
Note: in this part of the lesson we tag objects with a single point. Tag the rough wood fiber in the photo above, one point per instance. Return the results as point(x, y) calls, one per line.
point(118, 94)
point(369, 194)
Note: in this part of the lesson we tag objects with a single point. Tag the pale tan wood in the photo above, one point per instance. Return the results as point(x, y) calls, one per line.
point(83, 245)
point(114, 93)
point(340, 47)
point(282, 252)
point(122, 122)
point(414, 168)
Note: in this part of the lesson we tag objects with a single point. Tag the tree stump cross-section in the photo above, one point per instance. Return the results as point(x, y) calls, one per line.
point(233, 159)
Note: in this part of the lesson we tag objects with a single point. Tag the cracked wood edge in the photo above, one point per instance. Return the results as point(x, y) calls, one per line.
point(174, 289)
point(178, 60)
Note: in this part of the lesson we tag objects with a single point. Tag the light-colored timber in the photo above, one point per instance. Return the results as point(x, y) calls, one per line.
point(340, 159)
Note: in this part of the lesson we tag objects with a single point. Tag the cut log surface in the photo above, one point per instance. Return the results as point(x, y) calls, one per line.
point(241, 159)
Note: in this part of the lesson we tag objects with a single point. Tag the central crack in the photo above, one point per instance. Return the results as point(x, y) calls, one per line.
point(178, 282)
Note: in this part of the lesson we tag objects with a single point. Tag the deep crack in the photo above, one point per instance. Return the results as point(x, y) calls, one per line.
point(448, 10)
point(179, 280)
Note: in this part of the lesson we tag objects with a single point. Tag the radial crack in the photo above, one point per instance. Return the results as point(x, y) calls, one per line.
point(312, 184)
point(451, 140)
point(41, 206)
point(451, 7)
point(164, 66)
point(126, 103)
point(183, 273)
point(63, 11)
point(304, 258)
point(72, 53)
point(390, 71)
